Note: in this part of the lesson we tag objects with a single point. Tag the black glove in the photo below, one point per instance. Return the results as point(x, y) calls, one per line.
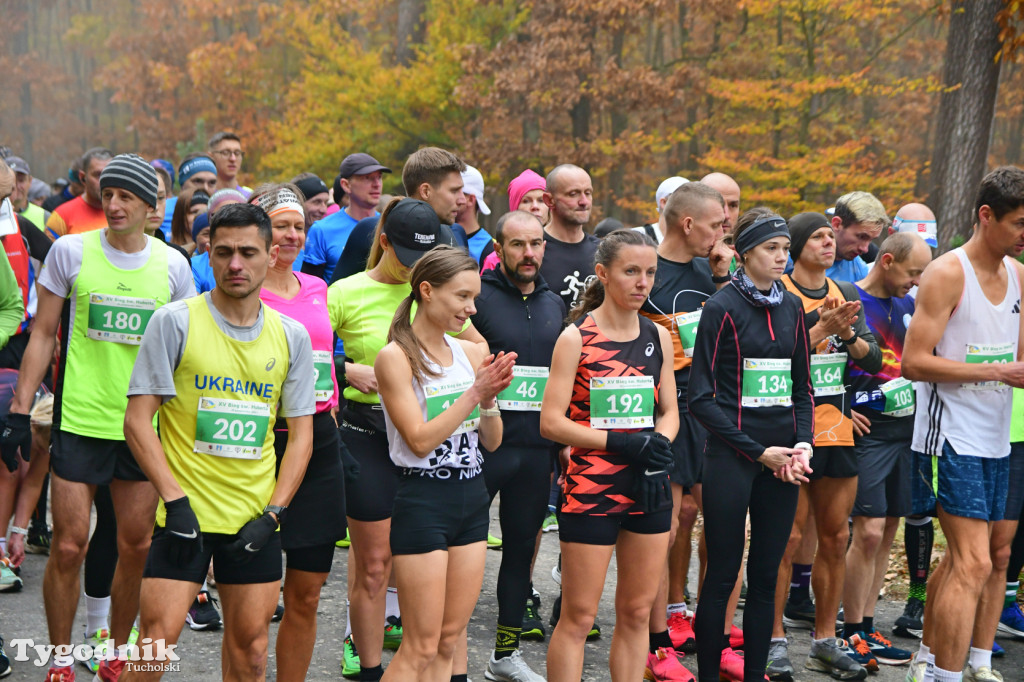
point(651, 489)
point(17, 434)
point(647, 448)
point(348, 463)
point(186, 540)
point(252, 537)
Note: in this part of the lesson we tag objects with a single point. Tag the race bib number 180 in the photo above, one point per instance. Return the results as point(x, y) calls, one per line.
point(119, 319)
point(231, 428)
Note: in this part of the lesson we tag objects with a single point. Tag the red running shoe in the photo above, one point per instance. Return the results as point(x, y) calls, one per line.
point(681, 631)
point(110, 671)
point(62, 674)
point(736, 638)
point(664, 666)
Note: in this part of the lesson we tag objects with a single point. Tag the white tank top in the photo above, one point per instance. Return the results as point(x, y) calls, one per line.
point(461, 450)
point(973, 417)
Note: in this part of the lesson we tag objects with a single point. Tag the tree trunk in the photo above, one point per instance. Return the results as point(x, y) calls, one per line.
point(410, 29)
point(965, 115)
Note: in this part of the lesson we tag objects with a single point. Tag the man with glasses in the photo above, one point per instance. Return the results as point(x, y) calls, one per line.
point(226, 150)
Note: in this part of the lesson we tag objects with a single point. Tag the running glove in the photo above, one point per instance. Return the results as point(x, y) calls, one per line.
point(648, 448)
point(652, 490)
point(185, 538)
point(17, 434)
point(253, 537)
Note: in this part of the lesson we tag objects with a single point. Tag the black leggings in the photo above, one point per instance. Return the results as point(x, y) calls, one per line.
point(731, 485)
point(521, 476)
point(101, 557)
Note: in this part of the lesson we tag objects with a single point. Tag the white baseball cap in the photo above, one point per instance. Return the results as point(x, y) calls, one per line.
point(473, 183)
point(667, 187)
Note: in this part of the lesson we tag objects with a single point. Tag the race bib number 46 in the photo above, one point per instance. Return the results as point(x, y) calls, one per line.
point(526, 391)
point(980, 354)
point(441, 396)
point(767, 382)
point(622, 402)
point(119, 319)
point(231, 428)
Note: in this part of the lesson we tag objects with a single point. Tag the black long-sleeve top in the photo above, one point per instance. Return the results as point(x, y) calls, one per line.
point(730, 330)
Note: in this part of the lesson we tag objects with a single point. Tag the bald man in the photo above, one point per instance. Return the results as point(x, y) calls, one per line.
point(569, 251)
point(917, 219)
point(730, 191)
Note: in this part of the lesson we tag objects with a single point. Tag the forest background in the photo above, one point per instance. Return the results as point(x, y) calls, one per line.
point(799, 100)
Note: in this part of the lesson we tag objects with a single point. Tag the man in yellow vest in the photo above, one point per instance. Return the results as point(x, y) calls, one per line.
point(220, 369)
point(100, 288)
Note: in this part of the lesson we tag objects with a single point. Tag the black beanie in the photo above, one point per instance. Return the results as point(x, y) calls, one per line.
point(801, 227)
point(133, 173)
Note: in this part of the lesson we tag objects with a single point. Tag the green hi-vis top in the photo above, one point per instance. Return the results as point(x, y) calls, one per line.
point(218, 430)
point(112, 309)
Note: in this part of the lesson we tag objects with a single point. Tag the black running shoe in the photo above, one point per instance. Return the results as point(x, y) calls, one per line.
point(533, 628)
point(911, 623)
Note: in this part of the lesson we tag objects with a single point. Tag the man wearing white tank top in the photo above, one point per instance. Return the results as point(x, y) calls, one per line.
point(963, 349)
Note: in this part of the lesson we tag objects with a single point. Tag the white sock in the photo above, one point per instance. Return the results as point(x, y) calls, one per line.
point(391, 604)
point(948, 675)
point(675, 608)
point(348, 619)
point(97, 610)
point(980, 657)
point(3, 545)
point(63, 661)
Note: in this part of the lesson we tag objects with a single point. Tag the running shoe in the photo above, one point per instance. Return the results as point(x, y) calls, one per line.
point(550, 523)
point(203, 615)
point(510, 669)
point(883, 650)
point(98, 643)
point(736, 638)
point(278, 614)
point(556, 611)
point(799, 616)
point(731, 667)
point(62, 674)
point(680, 630)
point(664, 666)
point(493, 542)
point(595, 631)
point(9, 581)
point(349, 659)
point(859, 650)
point(344, 543)
point(997, 651)
point(915, 673)
point(911, 623)
point(393, 632)
point(39, 538)
point(779, 666)
point(981, 674)
point(110, 670)
point(556, 571)
point(1012, 621)
point(533, 628)
point(830, 656)
point(5, 663)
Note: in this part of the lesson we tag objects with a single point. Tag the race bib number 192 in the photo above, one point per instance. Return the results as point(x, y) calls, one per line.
point(622, 402)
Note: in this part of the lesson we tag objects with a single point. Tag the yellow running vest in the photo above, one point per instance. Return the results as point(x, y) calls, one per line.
point(218, 430)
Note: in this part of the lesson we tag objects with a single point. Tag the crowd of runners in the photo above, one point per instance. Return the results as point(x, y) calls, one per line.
point(229, 373)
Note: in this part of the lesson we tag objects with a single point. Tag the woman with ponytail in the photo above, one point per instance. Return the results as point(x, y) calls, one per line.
point(439, 396)
point(611, 397)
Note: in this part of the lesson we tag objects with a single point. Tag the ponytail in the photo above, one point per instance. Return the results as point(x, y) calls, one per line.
point(593, 296)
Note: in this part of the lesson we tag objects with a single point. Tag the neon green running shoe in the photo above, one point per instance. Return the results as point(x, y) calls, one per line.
point(349, 659)
point(344, 543)
point(493, 542)
point(98, 642)
point(393, 633)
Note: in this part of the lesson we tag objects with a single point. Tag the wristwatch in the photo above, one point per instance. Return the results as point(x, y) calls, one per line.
point(277, 510)
point(490, 412)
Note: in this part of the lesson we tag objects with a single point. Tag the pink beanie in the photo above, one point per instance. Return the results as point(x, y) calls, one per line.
point(527, 181)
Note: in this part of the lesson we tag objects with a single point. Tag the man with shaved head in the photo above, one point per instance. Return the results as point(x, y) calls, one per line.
point(569, 251)
point(730, 192)
point(918, 219)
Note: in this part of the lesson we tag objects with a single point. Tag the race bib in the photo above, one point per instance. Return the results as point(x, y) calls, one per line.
point(231, 428)
point(827, 374)
point(899, 397)
point(323, 360)
point(441, 396)
point(686, 327)
point(120, 319)
point(526, 391)
point(622, 402)
point(984, 354)
point(767, 382)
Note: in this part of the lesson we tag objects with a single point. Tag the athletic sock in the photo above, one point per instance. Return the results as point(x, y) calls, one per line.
point(348, 619)
point(391, 604)
point(919, 535)
point(726, 644)
point(868, 624)
point(947, 675)
point(371, 674)
point(851, 629)
point(660, 640)
point(675, 608)
point(800, 583)
point(464, 677)
point(3, 546)
point(97, 610)
point(980, 657)
point(1011, 594)
point(506, 640)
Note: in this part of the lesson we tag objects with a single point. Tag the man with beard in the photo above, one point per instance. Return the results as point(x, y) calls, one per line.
point(569, 262)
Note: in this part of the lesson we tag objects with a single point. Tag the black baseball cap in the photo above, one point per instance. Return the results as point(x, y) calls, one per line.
point(360, 164)
point(413, 228)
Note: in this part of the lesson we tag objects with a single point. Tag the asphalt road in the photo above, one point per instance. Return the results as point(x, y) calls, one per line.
point(21, 616)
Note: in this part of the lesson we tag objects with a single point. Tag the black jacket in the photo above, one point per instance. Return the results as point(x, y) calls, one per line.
point(528, 326)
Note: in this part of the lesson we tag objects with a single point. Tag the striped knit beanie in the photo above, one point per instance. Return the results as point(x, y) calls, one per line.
point(133, 173)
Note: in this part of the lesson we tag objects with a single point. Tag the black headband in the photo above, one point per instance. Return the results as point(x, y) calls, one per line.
point(764, 229)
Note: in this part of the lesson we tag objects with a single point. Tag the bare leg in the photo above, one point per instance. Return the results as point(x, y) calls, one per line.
point(832, 499)
point(297, 634)
point(370, 561)
point(71, 503)
point(135, 508)
point(639, 558)
point(163, 605)
point(584, 568)
point(681, 550)
point(786, 567)
point(861, 562)
point(247, 613)
point(892, 524)
point(990, 606)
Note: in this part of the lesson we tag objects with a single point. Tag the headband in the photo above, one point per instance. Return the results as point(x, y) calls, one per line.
point(764, 229)
point(193, 166)
point(280, 200)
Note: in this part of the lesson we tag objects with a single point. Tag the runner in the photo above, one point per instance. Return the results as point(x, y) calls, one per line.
point(316, 516)
point(612, 361)
point(208, 365)
point(963, 346)
point(883, 424)
point(190, 205)
point(100, 288)
point(438, 412)
point(83, 213)
point(730, 192)
point(837, 332)
point(478, 240)
point(656, 231)
point(858, 220)
point(569, 262)
point(748, 413)
point(517, 312)
point(226, 150)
